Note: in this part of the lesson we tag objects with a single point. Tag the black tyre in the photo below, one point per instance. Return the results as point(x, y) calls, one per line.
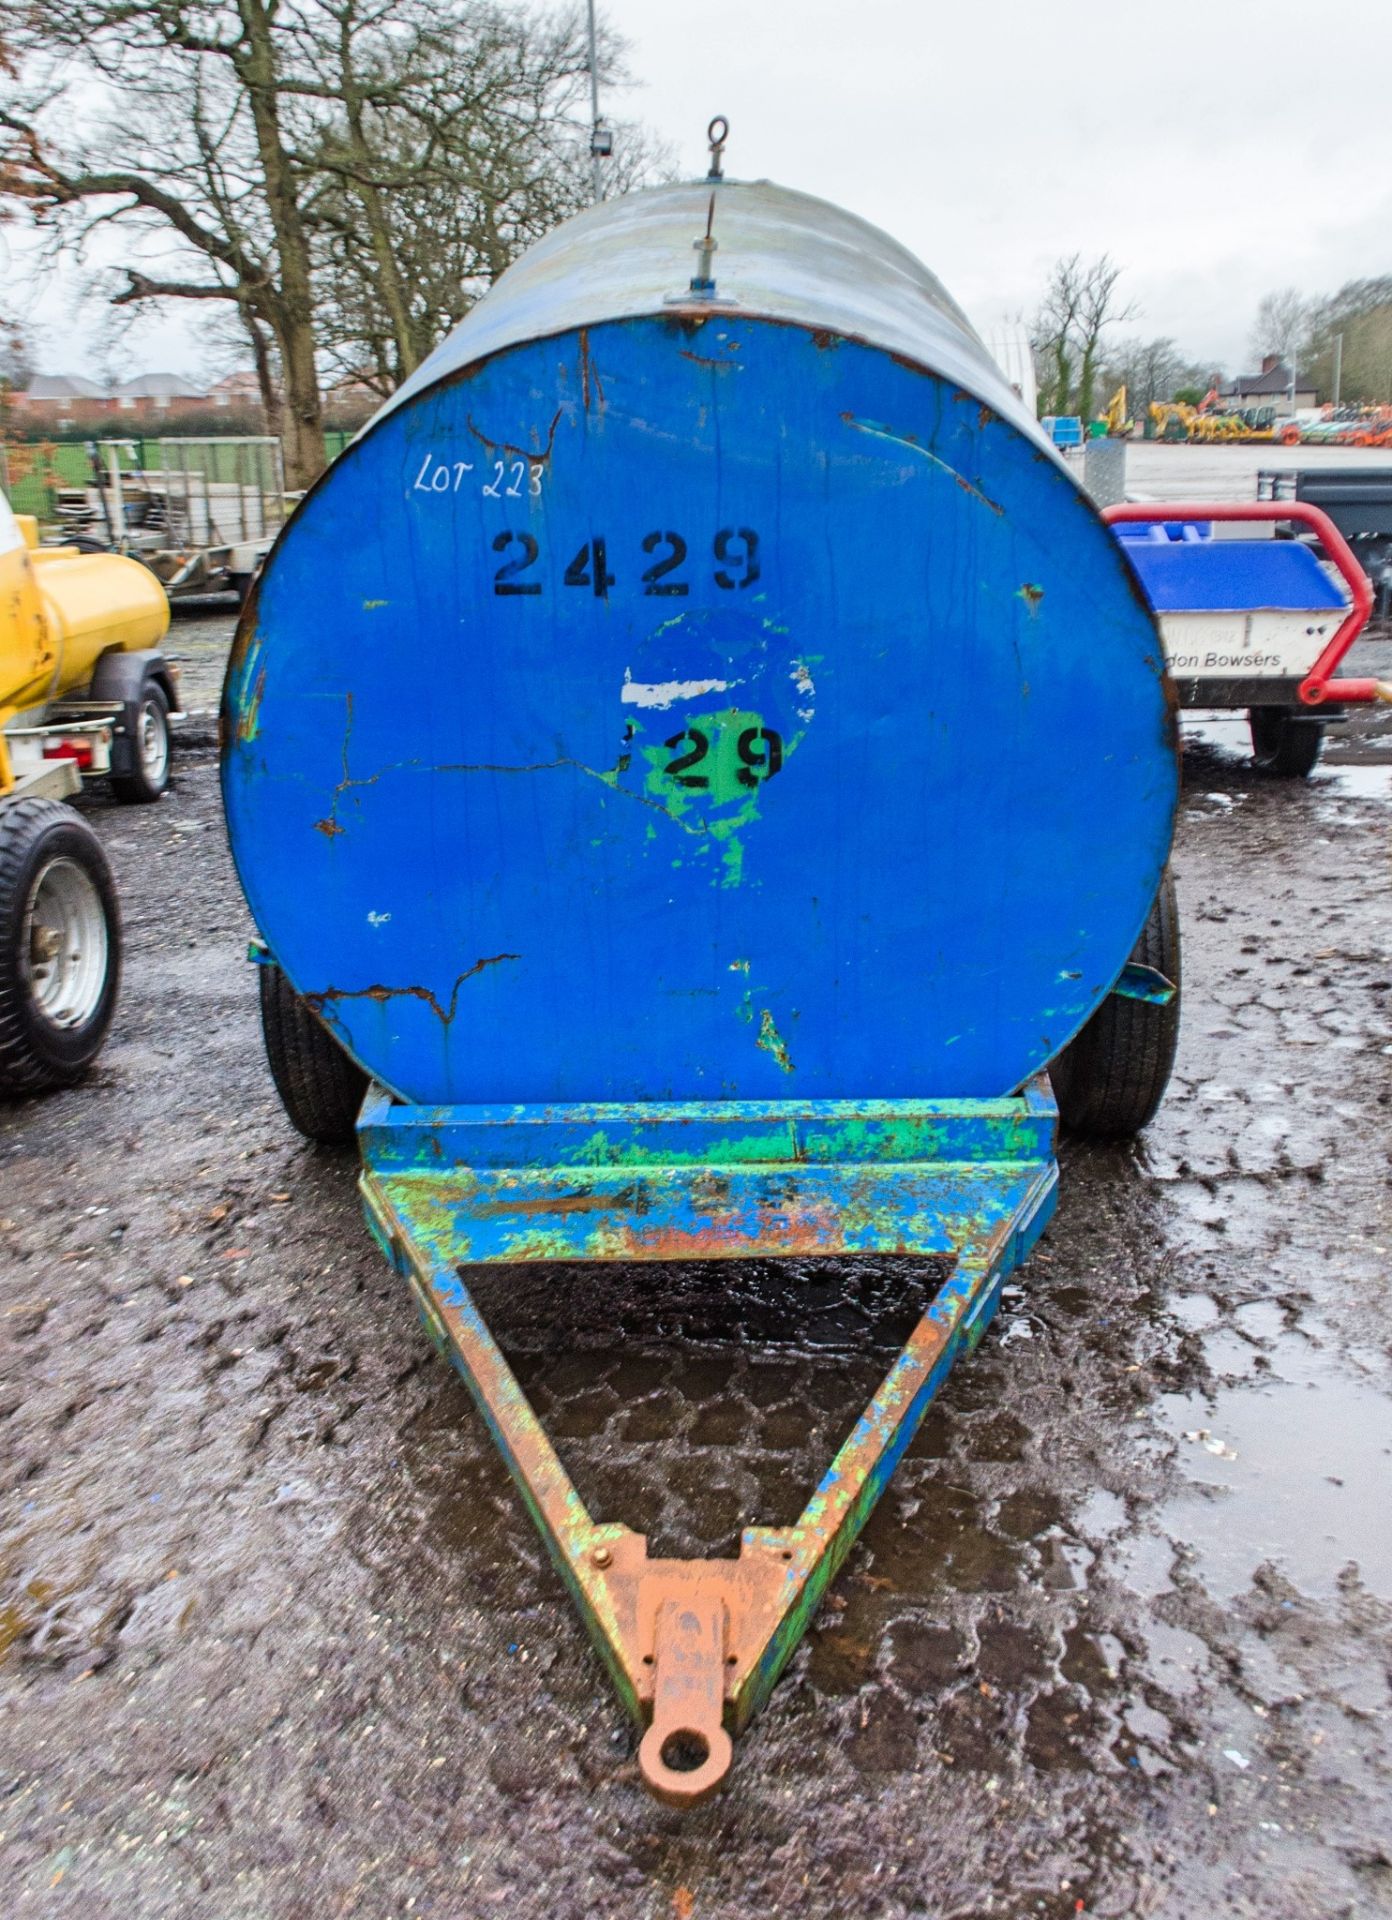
point(1111, 1078)
point(321, 1088)
point(60, 946)
point(146, 776)
point(1285, 743)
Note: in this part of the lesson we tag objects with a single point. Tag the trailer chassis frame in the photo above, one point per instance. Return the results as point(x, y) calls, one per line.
point(695, 1646)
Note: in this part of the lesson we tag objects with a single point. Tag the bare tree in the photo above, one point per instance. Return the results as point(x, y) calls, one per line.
point(1281, 324)
point(1150, 370)
point(298, 163)
point(451, 153)
point(194, 147)
point(448, 239)
point(1052, 334)
point(1360, 315)
point(1078, 306)
point(1098, 309)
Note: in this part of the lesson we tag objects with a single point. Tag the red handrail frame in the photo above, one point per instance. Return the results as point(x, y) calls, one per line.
point(1319, 685)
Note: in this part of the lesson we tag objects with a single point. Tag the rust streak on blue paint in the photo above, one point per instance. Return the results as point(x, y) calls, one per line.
point(323, 1001)
point(916, 446)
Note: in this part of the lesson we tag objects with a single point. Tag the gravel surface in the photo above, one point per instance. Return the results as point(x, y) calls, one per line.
point(278, 1640)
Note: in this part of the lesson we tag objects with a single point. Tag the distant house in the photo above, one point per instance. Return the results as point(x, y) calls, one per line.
point(160, 393)
point(1270, 387)
point(240, 389)
point(54, 396)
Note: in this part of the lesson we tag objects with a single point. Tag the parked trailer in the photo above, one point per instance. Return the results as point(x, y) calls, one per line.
point(202, 519)
point(795, 790)
point(1254, 624)
point(84, 688)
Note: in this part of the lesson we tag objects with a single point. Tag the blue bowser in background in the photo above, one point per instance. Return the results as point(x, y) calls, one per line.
point(698, 763)
point(1257, 624)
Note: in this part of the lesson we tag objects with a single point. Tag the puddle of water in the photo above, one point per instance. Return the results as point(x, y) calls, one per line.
point(1193, 1310)
point(1223, 733)
point(1311, 1476)
point(1261, 1319)
point(1100, 1514)
point(1354, 781)
point(1228, 736)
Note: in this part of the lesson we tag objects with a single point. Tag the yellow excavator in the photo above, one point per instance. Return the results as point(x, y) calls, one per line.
point(84, 688)
point(1172, 419)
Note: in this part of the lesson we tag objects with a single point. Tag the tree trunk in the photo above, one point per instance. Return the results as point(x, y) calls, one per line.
point(1062, 378)
point(265, 377)
point(1087, 379)
point(305, 457)
point(390, 287)
point(302, 415)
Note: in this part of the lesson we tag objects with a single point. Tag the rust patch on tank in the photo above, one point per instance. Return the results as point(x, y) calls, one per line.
point(590, 381)
point(537, 457)
point(327, 997)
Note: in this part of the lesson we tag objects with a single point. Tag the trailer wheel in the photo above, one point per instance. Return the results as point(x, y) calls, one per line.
point(147, 728)
point(1110, 1079)
point(1285, 743)
point(60, 946)
point(321, 1087)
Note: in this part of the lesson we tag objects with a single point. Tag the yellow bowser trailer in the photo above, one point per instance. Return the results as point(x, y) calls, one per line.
point(84, 688)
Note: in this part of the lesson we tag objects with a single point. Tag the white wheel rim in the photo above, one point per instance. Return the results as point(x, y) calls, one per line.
point(65, 944)
point(152, 742)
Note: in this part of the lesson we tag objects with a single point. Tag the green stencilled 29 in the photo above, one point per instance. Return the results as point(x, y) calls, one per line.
point(708, 775)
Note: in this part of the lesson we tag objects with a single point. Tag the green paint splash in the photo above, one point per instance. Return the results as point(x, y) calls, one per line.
point(729, 802)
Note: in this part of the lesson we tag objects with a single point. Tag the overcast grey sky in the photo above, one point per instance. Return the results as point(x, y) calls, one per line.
point(1217, 148)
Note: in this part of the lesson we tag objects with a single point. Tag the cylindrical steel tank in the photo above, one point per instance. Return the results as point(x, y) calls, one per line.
point(674, 697)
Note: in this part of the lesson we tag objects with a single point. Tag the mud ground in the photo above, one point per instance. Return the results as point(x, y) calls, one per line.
point(279, 1641)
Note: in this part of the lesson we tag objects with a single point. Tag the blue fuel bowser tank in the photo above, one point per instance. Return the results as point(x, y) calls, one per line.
point(699, 755)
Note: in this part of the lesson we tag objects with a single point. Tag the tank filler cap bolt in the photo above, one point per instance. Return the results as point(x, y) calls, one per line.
point(702, 283)
point(601, 1556)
